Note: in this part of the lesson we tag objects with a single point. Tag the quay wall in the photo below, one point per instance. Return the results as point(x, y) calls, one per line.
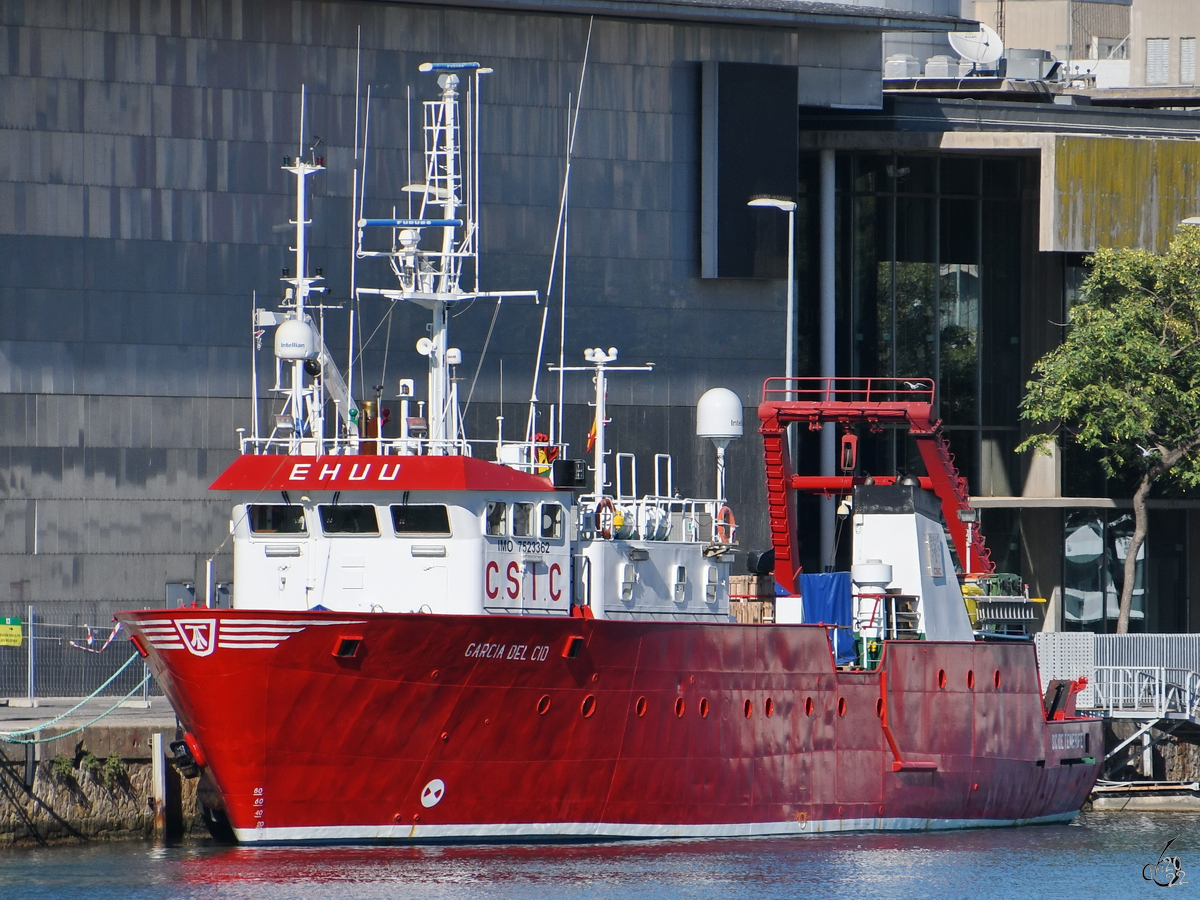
point(1173, 757)
point(77, 796)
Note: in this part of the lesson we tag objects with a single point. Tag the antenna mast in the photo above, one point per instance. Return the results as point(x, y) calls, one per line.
point(302, 285)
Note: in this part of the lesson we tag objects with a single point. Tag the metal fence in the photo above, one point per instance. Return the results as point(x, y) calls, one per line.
point(1126, 672)
point(65, 650)
point(1175, 651)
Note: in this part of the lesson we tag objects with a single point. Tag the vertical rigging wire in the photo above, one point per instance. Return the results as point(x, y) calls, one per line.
point(530, 426)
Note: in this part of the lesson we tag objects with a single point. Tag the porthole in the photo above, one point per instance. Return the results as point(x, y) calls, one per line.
point(769, 707)
point(588, 706)
point(680, 706)
point(808, 706)
point(996, 679)
point(941, 678)
point(879, 707)
point(970, 679)
point(748, 709)
point(704, 708)
point(640, 706)
point(543, 705)
point(841, 706)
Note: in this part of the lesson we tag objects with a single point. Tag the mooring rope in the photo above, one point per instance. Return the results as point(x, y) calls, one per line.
point(11, 736)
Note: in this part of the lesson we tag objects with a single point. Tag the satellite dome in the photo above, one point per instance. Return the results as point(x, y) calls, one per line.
point(719, 415)
point(295, 339)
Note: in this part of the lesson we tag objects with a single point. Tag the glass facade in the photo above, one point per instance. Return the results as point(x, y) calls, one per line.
point(929, 257)
point(929, 254)
point(929, 285)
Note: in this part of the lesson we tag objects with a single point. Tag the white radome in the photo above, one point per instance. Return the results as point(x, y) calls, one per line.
point(295, 339)
point(719, 415)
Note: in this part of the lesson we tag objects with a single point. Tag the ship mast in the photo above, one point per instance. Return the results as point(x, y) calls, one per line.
point(429, 277)
point(301, 286)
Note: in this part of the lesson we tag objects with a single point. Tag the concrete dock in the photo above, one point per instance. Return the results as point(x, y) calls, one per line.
point(94, 784)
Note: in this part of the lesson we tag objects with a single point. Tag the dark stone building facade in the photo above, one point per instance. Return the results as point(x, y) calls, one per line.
point(141, 200)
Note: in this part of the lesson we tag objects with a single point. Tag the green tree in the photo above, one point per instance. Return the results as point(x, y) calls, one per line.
point(1126, 380)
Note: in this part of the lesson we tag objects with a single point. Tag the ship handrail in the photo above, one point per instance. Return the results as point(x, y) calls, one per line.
point(1157, 690)
point(689, 509)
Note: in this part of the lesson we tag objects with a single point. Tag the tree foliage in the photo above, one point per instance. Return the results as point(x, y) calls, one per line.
point(1125, 382)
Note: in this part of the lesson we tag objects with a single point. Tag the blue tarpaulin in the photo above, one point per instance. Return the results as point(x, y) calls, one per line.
point(826, 600)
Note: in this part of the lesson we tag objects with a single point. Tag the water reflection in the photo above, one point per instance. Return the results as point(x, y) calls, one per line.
point(1101, 855)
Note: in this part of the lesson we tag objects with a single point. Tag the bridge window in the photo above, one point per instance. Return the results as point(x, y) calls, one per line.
point(276, 519)
point(421, 519)
point(348, 519)
point(552, 520)
point(522, 520)
point(495, 521)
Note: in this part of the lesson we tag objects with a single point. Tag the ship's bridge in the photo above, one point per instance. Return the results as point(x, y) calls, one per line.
point(418, 534)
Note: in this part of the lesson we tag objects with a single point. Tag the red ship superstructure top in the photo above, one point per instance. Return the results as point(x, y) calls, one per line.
point(343, 472)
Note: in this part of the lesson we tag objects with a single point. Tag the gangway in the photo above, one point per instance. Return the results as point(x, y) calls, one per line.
point(1160, 698)
point(903, 402)
point(1140, 692)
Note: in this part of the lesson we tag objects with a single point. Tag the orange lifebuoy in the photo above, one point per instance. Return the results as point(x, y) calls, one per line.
point(604, 524)
point(726, 526)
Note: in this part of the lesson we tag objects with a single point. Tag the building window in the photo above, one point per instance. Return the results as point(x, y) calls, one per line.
point(1187, 60)
point(1158, 60)
point(1110, 48)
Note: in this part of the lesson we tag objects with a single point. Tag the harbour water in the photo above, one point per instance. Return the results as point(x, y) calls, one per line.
point(1099, 855)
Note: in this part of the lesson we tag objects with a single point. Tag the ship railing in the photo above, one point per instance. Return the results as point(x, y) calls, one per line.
point(528, 456)
point(885, 616)
point(658, 518)
point(851, 391)
point(1147, 690)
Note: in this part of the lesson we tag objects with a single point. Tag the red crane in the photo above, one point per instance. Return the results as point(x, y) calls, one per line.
point(850, 401)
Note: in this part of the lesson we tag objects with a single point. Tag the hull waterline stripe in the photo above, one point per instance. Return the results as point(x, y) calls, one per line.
point(604, 830)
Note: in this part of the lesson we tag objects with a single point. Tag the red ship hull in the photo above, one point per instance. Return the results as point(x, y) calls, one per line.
point(519, 728)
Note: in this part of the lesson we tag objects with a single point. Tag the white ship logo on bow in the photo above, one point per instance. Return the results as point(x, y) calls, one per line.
point(202, 636)
point(199, 635)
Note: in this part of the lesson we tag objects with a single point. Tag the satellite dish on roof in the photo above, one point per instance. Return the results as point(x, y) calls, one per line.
point(981, 47)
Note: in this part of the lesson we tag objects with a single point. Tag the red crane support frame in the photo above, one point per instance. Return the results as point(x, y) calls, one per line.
point(849, 401)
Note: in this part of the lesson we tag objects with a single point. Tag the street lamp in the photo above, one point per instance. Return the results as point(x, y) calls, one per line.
point(789, 207)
